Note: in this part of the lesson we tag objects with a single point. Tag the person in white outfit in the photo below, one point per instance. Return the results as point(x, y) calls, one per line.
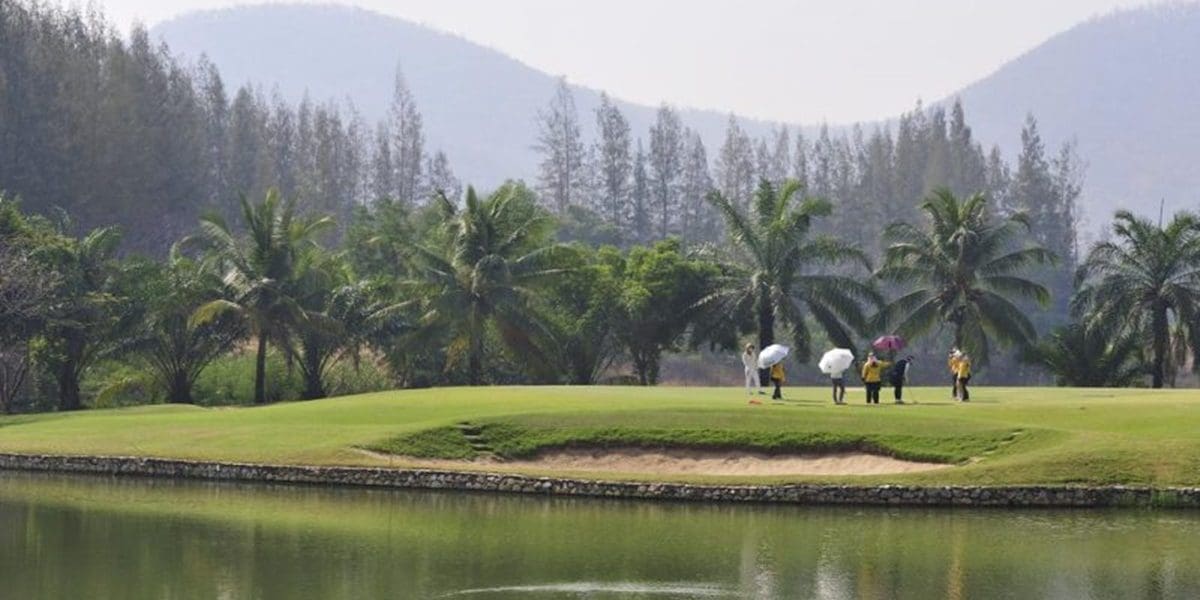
point(839, 386)
point(750, 363)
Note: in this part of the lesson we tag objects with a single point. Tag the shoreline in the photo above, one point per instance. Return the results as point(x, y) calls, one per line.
point(1022, 496)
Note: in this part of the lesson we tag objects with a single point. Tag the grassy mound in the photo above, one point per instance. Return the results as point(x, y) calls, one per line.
point(515, 439)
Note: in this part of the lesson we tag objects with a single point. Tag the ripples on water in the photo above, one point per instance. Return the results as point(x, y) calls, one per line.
point(129, 539)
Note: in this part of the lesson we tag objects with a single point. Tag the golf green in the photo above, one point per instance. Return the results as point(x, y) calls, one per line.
point(1004, 436)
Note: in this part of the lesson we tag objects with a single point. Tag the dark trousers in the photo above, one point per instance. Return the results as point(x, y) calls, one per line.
point(898, 391)
point(962, 383)
point(873, 392)
point(778, 395)
point(954, 386)
point(764, 377)
point(839, 391)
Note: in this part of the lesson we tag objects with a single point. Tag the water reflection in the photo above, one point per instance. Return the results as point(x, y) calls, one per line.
point(73, 537)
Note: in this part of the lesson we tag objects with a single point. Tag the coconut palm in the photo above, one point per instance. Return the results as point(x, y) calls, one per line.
point(258, 272)
point(784, 275)
point(497, 251)
point(965, 269)
point(1089, 355)
point(1148, 280)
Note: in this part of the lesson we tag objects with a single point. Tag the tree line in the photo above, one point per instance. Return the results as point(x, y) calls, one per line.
point(482, 293)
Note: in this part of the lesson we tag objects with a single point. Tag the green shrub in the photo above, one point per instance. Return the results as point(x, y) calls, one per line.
point(229, 380)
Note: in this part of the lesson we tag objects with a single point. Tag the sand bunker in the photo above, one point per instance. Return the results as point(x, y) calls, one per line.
point(689, 462)
point(704, 462)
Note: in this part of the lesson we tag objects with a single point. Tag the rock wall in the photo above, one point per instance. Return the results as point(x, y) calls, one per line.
point(890, 495)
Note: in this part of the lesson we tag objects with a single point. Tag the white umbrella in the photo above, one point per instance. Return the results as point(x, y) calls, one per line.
point(771, 355)
point(836, 361)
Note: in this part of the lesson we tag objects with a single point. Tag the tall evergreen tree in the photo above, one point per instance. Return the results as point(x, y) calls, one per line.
point(408, 143)
point(639, 220)
point(697, 220)
point(441, 179)
point(735, 165)
point(614, 163)
point(666, 162)
point(560, 142)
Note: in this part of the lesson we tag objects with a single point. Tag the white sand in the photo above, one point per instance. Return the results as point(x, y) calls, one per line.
point(690, 462)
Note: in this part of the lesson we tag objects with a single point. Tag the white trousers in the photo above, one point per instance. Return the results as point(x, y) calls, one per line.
point(752, 380)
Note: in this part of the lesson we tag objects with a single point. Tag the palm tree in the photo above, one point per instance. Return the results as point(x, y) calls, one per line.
point(258, 272)
point(965, 268)
point(1146, 279)
point(497, 252)
point(177, 348)
point(782, 274)
point(88, 309)
point(1089, 355)
point(344, 316)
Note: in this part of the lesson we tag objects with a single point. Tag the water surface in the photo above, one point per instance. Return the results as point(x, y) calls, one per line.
point(120, 538)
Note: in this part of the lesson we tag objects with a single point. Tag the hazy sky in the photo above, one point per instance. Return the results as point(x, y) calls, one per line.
point(800, 60)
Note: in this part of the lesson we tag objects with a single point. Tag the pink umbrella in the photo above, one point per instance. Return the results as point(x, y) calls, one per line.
point(889, 343)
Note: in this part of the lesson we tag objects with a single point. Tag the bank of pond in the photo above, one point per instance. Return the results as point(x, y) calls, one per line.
point(128, 538)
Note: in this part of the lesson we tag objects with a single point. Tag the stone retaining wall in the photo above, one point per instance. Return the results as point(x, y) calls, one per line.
point(891, 495)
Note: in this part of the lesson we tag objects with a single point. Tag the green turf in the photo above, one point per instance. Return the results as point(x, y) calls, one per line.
point(1006, 436)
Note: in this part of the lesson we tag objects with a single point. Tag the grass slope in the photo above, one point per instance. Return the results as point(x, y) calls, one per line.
point(1007, 436)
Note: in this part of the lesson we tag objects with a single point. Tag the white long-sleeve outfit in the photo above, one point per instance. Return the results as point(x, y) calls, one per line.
point(750, 363)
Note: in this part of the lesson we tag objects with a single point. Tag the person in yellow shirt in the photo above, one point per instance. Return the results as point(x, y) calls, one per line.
point(872, 376)
point(952, 363)
point(962, 375)
point(777, 378)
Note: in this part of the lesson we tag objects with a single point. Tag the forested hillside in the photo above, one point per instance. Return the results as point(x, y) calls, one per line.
point(1121, 86)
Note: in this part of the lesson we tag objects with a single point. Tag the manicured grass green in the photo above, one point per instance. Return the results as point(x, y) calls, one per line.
point(1006, 436)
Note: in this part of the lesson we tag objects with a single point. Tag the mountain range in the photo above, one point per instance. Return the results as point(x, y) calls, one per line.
point(1124, 87)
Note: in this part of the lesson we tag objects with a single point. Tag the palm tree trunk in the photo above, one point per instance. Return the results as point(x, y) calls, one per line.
point(311, 369)
point(181, 388)
point(1161, 335)
point(766, 329)
point(68, 388)
point(475, 353)
point(260, 371)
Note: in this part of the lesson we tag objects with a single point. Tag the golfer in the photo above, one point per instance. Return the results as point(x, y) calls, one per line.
point(777, 378)
point(952, 362)
point(872, 376)
point(839, 386)
point(750, 366)
point(898, 376)
point(962, 376)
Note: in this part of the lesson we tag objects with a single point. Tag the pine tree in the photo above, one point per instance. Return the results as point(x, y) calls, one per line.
point(383, 173)
point(441, 178)
point(613, 164)
point(779, 162)
point(408, 143)
point(666, 161)
point(697, 221)
point(735, 165)
point(560, 142)
point(800, 161)
point(639, 221)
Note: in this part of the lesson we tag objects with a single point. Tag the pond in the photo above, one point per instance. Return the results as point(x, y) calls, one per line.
point(120, 538)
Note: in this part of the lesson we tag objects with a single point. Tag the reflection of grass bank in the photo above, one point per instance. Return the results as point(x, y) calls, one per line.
point(1009, 436)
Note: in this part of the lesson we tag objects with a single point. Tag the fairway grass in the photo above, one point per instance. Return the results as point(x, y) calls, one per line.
point(1006, 436)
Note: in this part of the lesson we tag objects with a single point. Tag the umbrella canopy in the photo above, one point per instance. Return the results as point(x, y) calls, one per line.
point(836, 361)
point(889, 343)
point(771, 355)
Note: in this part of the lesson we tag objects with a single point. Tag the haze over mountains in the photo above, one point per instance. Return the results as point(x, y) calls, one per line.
point(1124, 86)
